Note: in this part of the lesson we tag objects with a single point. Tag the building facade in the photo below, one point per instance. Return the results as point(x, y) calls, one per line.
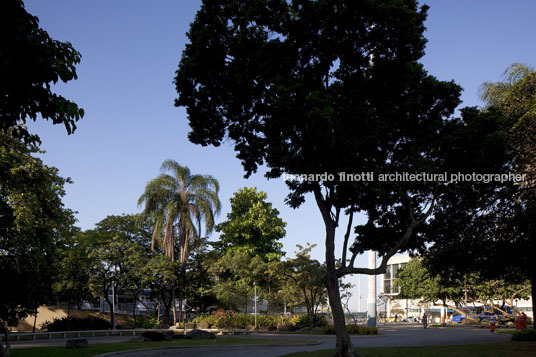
point(394, 305)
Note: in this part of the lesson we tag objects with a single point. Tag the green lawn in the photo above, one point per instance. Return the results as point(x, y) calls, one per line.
point(510, 332)
point(96, 349)
point(503, 349)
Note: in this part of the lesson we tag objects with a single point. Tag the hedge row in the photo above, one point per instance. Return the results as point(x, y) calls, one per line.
point(353, 330)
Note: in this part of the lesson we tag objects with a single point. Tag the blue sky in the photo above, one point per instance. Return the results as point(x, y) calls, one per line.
point(130, 51)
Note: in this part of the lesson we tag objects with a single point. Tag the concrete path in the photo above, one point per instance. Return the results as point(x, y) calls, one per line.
point(390, 336)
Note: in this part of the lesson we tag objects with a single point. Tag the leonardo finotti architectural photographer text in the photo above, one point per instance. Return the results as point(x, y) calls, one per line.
point(406, 176)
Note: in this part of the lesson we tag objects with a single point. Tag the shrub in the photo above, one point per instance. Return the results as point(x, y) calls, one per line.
point(145, 322)
point(304, 320)
point(353, 330)
point(527, 334)
point(223, 319)
point(70, 323)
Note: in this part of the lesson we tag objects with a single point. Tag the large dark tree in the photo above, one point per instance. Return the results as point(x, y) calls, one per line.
point(30, 64)
point(118, 250)
point(500, 242)
point(33, 223)
point(312, 87)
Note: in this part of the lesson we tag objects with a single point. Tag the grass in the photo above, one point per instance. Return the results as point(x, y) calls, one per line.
point(96, 349)
point(509, 332)
point(502, 349)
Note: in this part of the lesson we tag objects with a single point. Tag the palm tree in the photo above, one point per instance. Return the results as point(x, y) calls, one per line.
point(179, 203)
point(495, 93)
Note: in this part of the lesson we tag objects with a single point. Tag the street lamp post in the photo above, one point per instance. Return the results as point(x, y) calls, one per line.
point(255, 300)
point(113, 305)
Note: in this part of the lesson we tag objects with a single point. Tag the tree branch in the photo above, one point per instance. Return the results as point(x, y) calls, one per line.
point(400, 244)
point(346, 236)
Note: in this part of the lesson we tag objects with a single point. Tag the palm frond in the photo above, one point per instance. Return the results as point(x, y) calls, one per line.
point(495, 93)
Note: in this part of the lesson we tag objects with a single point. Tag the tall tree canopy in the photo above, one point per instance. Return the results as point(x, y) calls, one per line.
point(118, 250)
point(505, 235)
point(179, 202)
point(252, 226)
point(30, 64)
point(33, 224)
point(516, 97)
point(304, 279)
point(327, 87)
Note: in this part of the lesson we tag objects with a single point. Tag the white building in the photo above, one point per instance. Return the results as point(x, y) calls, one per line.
point(408, 308)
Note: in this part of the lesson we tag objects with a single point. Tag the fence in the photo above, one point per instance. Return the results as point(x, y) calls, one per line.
point(23, 336)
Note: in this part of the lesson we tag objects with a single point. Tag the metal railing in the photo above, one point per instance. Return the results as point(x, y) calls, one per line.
point(28, 336)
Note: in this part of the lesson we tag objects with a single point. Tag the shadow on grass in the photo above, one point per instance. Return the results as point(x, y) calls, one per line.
point(100, 348)
point(503, 349)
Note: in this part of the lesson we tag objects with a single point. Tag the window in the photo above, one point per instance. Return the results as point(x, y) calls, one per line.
point(391, 273)
point(388, 272)
point(387, 286)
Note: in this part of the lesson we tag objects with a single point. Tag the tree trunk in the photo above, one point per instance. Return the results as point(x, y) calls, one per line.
point(135, 295)
point(246, 317)
point(166, 309)
point(112, 312)
point(343, 347)
point(35, 321)
point(182, 294)
point(175, 306)
point(6, 337)
point(158, 313)
point(68, 315)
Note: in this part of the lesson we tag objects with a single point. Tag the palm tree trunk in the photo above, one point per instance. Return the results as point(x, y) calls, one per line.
point(174, 306)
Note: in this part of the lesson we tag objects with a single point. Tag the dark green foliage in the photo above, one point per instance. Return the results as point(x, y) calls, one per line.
point(144, 322)
point(70, 323)
point(303, 281)
point(30, 64)
point(228, 319)
point(312, 87)
point(33, 224)
point(353, 330)
point(306, 320)
point(117, 253)
point(524, 335)
point(252, 226)
point(155, 336)
point(71, 283)
point(199, 282)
